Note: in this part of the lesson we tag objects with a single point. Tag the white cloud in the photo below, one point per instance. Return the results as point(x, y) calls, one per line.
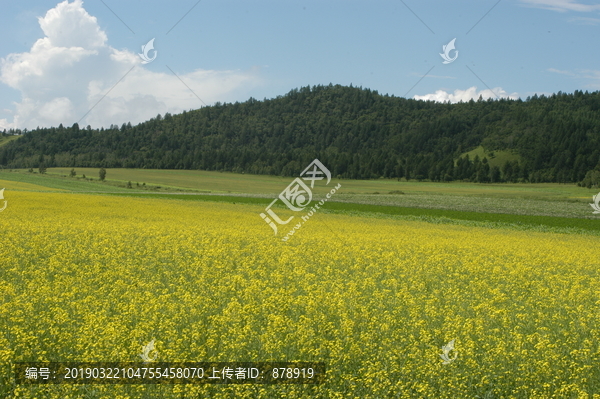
point(585, 20)
point(466, 95)
point(568, 73)
point(69, 25)
point(58, 109)
point(593, 77)
point(68, 71)
point(590, 75)
point(562, 5)
point(136, 98)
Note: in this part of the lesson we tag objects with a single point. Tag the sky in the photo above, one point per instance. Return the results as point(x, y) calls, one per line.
point(84, 61)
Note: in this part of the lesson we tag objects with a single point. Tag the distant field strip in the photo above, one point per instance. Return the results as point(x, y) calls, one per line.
point(513, 205)
point(225, 182)
point(534, 221)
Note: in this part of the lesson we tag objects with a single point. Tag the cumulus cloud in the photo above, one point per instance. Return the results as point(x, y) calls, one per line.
point(466, 95)
point(73, 69)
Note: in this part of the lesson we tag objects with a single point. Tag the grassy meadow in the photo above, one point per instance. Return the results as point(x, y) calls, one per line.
point(373, 284)
point(224, 182)
point(495, 158)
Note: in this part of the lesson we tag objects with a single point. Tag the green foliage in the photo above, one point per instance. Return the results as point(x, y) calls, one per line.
point(72, 173)
point(102, 174)
point(357, 133)
point(591, 179)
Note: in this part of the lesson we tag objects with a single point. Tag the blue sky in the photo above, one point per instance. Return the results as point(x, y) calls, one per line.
point(74, 61)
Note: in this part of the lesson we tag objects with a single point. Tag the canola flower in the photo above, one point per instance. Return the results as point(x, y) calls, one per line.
point(94, 278)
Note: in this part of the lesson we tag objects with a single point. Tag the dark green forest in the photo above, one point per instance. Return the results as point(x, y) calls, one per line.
point(357, 133)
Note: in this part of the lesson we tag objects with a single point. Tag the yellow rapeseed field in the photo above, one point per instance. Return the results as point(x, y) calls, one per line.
point(95, 278)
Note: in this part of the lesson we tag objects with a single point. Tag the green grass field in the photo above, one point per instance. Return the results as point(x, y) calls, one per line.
point(495, 158)
point(7, 139)
point(224, 182)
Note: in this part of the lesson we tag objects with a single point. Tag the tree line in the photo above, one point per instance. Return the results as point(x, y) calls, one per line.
point(357, 133)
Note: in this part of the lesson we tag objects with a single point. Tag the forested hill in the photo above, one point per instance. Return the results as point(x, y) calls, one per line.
point(357, 133)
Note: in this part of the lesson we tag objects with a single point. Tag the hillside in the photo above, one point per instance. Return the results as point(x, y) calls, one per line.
point(5, 139)
point(357, 133)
